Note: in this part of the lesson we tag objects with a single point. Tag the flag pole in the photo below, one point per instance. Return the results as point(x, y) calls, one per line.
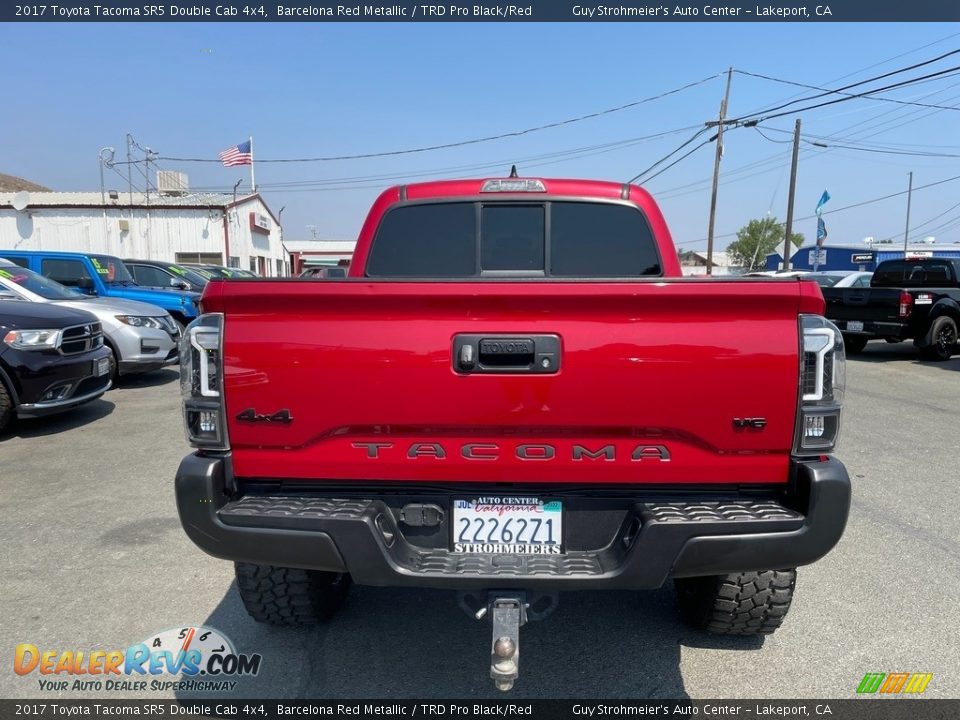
point(253, 181)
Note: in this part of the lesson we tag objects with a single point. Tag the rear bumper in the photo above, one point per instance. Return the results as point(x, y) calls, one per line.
point(657, 539)
point(878, 329)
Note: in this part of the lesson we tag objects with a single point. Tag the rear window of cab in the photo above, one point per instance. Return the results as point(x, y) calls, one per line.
point(561, 239)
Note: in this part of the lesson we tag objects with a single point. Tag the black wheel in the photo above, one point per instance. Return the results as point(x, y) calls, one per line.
point(114, 366)
point(943, 340)
point(289, 596)
point(748, 603)
point(854, 344)
point(6, 407)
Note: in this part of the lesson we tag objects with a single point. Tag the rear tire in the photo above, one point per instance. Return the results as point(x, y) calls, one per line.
point(854, 344)
point(290, 596)
point(6, 407)
point(748, 603)
point(943, 340)
point(114, 366)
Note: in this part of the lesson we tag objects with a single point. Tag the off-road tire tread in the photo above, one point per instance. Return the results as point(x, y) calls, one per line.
point(6, 407)
point(290, 596)
point(747, 603)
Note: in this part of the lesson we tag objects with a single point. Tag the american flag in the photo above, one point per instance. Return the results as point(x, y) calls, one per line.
point(237, 155)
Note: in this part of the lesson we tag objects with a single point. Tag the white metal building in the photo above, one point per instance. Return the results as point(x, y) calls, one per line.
point(694, 262)
point(318, 253)
point(185, 227)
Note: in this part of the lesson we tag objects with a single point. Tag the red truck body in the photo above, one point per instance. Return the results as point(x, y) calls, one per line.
point(515, 392)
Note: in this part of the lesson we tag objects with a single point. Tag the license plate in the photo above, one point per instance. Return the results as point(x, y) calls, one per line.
point(854, 326)
point(508, 525)
point(102, 367)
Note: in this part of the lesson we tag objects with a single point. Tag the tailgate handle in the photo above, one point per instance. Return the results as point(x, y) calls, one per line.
point(493, 353)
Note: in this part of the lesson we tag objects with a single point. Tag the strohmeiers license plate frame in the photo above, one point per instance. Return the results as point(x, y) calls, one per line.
point(518, 507)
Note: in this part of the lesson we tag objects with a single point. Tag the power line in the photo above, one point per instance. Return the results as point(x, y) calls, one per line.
point(821, 143)
point(827, 91)
point(682, 157)
point(848, 98)
point(765, 113)
point(670, 154)
point(551, 158)
point(848, 207)
point(472, 141)
point(935, 217)
point(877, 64)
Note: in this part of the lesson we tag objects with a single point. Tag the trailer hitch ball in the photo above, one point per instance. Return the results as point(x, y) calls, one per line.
point(505, 647)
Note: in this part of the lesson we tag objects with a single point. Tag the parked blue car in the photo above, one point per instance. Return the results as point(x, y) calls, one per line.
point(103, 276)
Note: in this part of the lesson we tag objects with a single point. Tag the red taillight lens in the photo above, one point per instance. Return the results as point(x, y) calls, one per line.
point(906, 304)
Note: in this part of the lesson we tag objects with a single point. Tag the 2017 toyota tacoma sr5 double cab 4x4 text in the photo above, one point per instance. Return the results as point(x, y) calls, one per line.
point(514, 393)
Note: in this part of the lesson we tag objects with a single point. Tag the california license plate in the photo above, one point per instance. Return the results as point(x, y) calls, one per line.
point(101, 367)
point(508, 525)
point(854, 326)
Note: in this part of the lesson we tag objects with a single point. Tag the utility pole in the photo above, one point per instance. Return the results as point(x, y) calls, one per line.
point(716, 173)
point(130, 167)
point(906, 231)
point(793, 187)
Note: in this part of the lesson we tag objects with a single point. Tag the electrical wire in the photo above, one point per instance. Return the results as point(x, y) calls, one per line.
point(848, 207)
point(818, 142)
point(827, 91)
point(473, 141)
point(528, 162)
point(682, 157)
point(765, 113)
point(670, 154)
point(904, 83)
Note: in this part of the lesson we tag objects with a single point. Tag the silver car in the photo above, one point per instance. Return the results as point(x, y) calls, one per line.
point(143, 337)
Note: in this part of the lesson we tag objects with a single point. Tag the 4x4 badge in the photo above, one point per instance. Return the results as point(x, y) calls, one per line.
point(280, 416)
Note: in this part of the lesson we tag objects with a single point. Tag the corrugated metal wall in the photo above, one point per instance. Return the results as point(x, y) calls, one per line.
point(157, 234)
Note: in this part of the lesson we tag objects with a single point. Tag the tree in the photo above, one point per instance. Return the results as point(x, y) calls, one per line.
point(756, 240)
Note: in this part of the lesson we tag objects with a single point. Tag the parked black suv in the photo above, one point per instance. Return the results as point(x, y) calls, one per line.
point(162, 274)
point(52, 359)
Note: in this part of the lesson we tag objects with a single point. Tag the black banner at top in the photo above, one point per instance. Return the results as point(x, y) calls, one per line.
point(485, 11)
point(507, 709)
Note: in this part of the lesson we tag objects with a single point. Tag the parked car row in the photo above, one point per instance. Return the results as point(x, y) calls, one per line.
point(71, 324)
point(914, 299)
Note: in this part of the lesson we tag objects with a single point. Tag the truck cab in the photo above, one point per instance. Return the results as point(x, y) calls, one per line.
point(104, 276)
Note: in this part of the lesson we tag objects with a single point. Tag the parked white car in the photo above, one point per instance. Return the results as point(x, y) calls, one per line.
point(142, 337)
point(842, 278)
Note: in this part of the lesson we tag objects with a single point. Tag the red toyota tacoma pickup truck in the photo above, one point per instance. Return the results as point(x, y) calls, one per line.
point(514, 393)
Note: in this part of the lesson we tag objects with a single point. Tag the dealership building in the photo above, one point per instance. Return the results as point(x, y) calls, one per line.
point(859, 257)
point(179, 226)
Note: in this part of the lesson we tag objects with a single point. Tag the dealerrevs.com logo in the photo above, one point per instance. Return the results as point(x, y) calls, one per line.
point(203, 656)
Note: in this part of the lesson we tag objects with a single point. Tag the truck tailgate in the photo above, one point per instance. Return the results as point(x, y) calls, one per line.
point(876, 304)
point(652, 378)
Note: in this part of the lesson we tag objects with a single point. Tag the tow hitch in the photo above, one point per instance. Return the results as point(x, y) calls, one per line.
point(508, 612)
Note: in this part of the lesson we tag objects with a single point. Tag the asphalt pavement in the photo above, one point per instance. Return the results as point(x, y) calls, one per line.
point(94, 558)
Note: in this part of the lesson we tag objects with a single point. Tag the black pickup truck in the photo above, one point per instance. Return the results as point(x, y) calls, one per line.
point(911, 299)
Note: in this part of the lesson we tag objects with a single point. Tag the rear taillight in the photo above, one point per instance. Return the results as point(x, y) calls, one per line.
point(906, 304)
point(201, 382)
point(822, 382)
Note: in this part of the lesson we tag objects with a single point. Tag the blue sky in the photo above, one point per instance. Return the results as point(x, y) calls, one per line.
point(190, 90)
